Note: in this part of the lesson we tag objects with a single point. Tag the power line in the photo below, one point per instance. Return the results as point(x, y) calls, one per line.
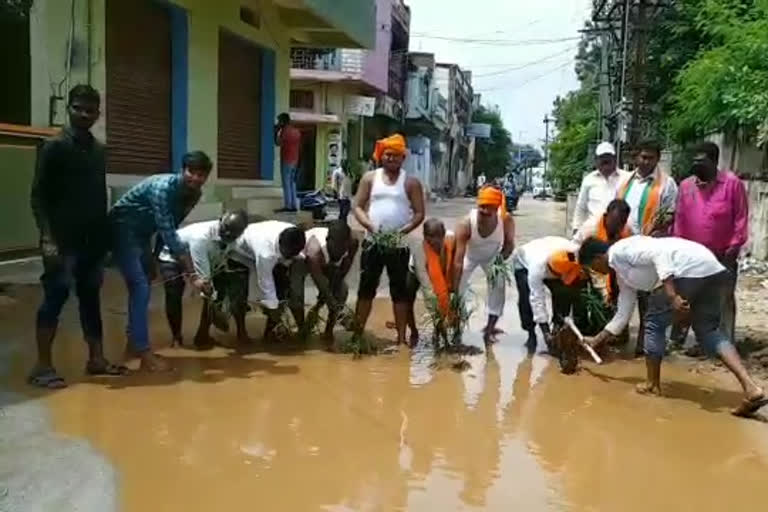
point(517, 86)
point(526, 65)
point(499, 42)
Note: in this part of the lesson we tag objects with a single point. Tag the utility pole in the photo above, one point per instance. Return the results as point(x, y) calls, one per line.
point(639, 81)
point(547, 120)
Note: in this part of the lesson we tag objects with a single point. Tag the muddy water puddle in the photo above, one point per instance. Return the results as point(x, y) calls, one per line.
point(318, 431)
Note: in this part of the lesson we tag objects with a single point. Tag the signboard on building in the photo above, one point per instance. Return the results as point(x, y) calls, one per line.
point(359, 105)
point(479, 130)
point(334, 150)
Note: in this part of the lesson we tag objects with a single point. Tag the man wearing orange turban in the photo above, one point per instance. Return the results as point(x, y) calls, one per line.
point(487, 233)
point(387, 200)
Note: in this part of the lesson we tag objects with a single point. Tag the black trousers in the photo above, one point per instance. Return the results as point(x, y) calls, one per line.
point(231, 283)
point(565, 299)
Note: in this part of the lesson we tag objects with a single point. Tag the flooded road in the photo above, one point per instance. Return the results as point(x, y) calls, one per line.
point(314, 431)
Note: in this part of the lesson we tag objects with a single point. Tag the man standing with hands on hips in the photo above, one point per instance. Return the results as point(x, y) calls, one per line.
point(288, 138)
point(387, 201)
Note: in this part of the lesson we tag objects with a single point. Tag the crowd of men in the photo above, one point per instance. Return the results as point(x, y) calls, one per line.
point(619, 221)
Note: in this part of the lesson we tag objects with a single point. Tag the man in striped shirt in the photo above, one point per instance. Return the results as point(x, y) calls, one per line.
point(157, 204)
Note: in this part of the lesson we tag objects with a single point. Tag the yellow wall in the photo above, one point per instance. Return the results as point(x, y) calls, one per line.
point(49, 34)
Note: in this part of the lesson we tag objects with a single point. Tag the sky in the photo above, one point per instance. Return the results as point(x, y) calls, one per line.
point(521, 52)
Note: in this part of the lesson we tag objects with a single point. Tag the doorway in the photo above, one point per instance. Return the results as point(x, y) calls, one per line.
point(307, 157)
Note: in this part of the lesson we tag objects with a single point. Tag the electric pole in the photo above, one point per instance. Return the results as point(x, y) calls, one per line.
point(639, 81)
point(547, 120)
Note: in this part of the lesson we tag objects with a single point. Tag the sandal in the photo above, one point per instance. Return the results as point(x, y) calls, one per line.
point(748, 408)
point(47, 379)
point(99, 368)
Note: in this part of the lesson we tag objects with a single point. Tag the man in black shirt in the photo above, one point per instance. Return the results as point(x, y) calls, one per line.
point(69, 202)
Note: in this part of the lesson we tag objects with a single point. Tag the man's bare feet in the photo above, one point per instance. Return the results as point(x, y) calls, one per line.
point(646, 388)
point(153, 363)
point(490, 338)
point(177, 341)
point(414, 339)
point(751, 404)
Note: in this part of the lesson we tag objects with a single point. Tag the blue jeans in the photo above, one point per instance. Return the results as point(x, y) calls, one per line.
point(84, 271)
point(704, 296)
point(131, 258)
point(290, 195)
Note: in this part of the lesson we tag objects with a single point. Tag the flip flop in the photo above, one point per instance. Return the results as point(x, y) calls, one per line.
point(748, 408)
point(47, 379)
point(105, 369)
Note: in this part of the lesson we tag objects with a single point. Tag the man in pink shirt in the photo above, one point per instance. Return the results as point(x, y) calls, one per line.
point(288, 137)
point(712, 209)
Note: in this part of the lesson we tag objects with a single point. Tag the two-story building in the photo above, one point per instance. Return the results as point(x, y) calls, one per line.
point(426, 120)
point(455, 85)
point(343, 99)
point(174, 75)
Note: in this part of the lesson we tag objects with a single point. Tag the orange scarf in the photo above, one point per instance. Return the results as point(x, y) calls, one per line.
point(649, 202)
point(492, 196)
point(602, 235)
point(394, 143)
point(564, 265)
point(602, 232)
point(439, 277)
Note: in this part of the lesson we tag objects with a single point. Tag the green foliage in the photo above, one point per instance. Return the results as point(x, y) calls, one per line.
point(576, 123)
point(575, 118)
point(492, 156)
point(724, 88)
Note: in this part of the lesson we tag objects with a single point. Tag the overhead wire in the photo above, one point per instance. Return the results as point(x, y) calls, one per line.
point(526, 82)
point(525, 65)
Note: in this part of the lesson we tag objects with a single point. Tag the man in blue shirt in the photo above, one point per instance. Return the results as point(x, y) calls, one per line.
point(157, 204)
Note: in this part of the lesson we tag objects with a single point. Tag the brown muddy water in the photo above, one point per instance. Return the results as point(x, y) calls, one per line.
point(306, 431)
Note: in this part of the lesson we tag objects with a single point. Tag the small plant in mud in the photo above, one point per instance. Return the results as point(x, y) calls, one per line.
point(597, 310)
point(447, 330)
point(358, 345)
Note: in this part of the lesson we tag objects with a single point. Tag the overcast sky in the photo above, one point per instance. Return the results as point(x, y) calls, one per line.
point(521, 77)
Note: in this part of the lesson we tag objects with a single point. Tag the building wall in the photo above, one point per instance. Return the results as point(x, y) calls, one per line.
point(376, 70)
point(49, 35)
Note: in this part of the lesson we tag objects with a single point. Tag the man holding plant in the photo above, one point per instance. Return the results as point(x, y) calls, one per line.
point(389, 205)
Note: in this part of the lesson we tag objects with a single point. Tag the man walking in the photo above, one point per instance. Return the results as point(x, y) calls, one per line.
point(598, 187)
point(69, 203)
point(157, 204)
point(487, 233)
point(209, 244)
point(388, 201)
point(712, 209)
point(683, 277)
point(288, 138)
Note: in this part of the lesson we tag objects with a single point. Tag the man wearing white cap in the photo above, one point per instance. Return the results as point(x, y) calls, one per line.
point(599, 187)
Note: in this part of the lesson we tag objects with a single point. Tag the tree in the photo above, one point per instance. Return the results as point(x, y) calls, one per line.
point(575, 118)
point(525, 156)
point(492, 155)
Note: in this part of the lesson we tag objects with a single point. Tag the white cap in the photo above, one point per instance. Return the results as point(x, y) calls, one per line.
point(605, 148)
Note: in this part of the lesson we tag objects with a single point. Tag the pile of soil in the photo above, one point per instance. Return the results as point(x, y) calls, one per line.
point(565, 345)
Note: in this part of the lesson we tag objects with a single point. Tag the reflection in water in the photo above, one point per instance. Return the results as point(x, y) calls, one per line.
point(316, 431)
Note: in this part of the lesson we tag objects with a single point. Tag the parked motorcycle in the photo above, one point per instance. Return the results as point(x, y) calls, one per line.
point(314, 202)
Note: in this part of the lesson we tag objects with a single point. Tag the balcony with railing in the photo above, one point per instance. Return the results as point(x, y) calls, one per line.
point(328, 64)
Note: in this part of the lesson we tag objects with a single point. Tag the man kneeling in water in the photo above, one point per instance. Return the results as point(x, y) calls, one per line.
point(691, 280)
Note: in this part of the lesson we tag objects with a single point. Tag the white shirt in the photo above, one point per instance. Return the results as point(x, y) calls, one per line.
point(643, 263)
point(259, 249)
point(203, 241)
point(635, 196)
point(534, 257)
point(594, 195)
point(341, 183)
point(389, 208)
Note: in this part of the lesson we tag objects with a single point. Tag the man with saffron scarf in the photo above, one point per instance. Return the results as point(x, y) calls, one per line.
point(652, 195)
point(548, 262)
point(432, 270)
point(388, 201)
point(485, 234)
